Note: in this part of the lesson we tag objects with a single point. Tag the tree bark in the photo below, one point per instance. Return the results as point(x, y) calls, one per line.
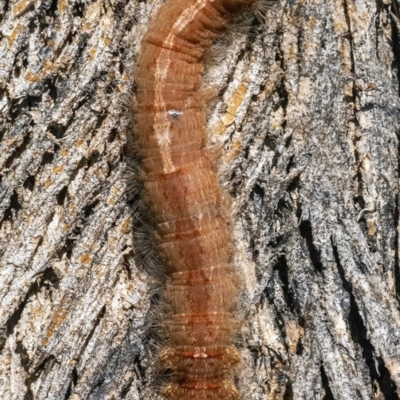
point(309, 116)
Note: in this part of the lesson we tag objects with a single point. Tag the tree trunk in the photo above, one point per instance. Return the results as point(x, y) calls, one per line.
point(309, 115)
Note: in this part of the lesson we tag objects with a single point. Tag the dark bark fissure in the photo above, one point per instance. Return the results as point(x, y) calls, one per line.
point(395, 25)
point(350, 37)
point(48, 277)
point(47, 158)
point(29, 183)
point(124, 358)
point(325, 385)
point(288, 392)
point(379, 7)
point(29, 395)
point(23, 354)
point(20, 149)
point(378, 372)
point(5, 9)
point(13, 208)
point(386, 383)
point(358, 198)
point(73, 381)
point(306, 233)
point(281, 91)
point(283, 271)
point(96, 323)
point(396, 66)
point(396, 245)
point(62, 195)
point(58, 131)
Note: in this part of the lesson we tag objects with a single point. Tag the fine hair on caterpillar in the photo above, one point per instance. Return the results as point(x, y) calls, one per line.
point(189, 213)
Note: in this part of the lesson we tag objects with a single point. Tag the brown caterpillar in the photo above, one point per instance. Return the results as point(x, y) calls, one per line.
point(185, 200)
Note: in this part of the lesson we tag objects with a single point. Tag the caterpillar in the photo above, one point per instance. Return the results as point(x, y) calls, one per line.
point(189, 211)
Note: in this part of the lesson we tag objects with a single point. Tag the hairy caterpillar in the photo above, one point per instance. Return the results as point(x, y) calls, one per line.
point(186, 204)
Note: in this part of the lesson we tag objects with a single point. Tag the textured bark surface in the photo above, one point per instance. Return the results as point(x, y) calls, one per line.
point(309, 117)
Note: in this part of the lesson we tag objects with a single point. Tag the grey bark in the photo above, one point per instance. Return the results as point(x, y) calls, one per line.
point(309, 118)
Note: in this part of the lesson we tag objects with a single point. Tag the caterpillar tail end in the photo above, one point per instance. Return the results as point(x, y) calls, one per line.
point(226, 390)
